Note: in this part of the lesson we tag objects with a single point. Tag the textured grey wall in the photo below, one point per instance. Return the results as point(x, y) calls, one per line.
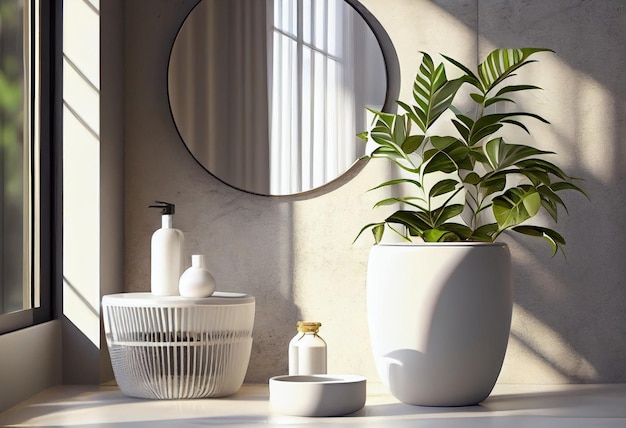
point(295, 254)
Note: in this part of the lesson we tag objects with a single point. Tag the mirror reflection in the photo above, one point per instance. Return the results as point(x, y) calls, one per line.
point(268, 94)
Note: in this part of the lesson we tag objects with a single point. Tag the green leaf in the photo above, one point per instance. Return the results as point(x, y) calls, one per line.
point(397, 181)
point(547, 193)
point(436, 235)
point(399, 131)
point(501, 63)
point(443, 187)
point(396, 200)
point(494, 100)
point(407, 166)
point(412, 143)
point(460, 154)
point(466, 120)
point(462, 231)
point(565, 185)
point(442, 99)
point(515, 206)
point(488, 124)
point(453, 156)
point(366, 227)
point(378, 231)
point(516, 123)
point(470, 77)
point(445, 213)
point(433, 93)
point(515, 88)
point(484, 132)
point(555, 240)
point(441, 143)
point(510, 154)
point(478, 155)
point(502, 154)
point(492, 151)
point(472, 178)
point(493, 183)
point(550, 201)
point(485, 232)
point(536, 177)
point(411, 219)
point(438, 161)
point(390, 133)
point(479, 98)
point(463, 130)
point(409, 110)
point(485, 125)
point(363, 135)
point(543, 166)
point(550, 208)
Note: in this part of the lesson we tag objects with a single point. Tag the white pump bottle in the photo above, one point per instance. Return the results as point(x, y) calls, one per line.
point(166, 254)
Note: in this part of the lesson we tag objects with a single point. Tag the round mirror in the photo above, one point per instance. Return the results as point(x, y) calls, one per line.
point(268, 95)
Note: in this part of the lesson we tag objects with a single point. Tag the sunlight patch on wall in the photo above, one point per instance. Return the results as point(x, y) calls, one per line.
point(81, 167)
point(539, 352)
point(596, 128)
point(581, 112)
point(81, 312)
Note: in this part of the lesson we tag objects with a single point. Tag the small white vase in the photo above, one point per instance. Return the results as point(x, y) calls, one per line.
point(196, 281)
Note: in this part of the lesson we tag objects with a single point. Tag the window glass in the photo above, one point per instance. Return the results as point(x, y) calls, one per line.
point(20, 163)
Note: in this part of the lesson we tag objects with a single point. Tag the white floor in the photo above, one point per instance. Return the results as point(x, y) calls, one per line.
point(550, 406)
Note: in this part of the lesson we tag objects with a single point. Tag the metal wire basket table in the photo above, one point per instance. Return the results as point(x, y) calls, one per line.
point(171, 347)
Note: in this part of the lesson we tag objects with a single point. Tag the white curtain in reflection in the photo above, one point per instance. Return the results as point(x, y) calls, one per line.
point(316, 46)
point(221, 83)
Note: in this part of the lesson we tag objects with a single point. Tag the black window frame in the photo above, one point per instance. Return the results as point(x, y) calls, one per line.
point(50, 169)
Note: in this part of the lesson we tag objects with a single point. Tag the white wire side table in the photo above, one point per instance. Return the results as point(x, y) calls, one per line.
point(172, 347)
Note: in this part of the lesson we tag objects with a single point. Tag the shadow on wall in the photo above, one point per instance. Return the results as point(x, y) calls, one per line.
point(234, 248)
point(276, 310)
point(569, 321)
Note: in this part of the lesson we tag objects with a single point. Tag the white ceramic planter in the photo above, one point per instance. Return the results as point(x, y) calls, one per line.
point(439, 317)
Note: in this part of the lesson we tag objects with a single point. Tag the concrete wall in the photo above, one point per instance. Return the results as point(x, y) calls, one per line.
point(295, 254)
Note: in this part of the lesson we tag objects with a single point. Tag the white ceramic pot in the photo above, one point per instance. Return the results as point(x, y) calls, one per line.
point(439, 316)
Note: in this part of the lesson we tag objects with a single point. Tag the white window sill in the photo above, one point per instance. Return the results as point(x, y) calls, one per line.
point(551, 406)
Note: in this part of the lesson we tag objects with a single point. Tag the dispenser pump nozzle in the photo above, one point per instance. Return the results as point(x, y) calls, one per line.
point(166, 207)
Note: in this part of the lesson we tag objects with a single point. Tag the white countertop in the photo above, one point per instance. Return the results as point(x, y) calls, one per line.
point(536, 406)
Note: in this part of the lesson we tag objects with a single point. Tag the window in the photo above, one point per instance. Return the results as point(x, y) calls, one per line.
point(25, 163)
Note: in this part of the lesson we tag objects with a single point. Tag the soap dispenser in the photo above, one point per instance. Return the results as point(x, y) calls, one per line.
point(166, 254)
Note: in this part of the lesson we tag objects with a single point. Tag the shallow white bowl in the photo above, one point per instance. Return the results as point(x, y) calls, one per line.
point(317, 395)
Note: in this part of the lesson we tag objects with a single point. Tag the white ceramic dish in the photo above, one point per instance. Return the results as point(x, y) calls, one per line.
point(317, 395)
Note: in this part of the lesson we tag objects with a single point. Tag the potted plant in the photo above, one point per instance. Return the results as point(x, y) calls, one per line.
point(440, 310)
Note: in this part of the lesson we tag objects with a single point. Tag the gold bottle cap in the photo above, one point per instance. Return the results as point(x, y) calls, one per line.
point(308, 327)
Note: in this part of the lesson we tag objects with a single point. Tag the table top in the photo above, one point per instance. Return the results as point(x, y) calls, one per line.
point(218, 298)
point(514, 406)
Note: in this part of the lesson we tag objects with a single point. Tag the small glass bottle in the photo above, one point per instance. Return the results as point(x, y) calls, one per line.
point(307, 350)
